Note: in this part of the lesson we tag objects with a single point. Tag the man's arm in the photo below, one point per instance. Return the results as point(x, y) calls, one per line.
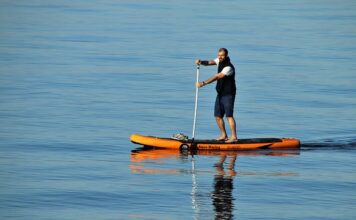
point(205, 62)
point(210, 80)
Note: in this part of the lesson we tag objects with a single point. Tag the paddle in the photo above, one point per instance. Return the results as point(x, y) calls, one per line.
point(196, 104)
point(185, 147)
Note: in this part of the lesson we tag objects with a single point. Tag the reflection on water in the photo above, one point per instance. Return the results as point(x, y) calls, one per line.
point(223, 185)
point(224, 173)
point(195, 204)
point(144, 154)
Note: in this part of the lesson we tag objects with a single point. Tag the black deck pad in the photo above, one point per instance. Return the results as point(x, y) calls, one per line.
point(240, 141)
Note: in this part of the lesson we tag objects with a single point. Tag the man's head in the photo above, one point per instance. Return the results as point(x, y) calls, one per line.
point(222, 54)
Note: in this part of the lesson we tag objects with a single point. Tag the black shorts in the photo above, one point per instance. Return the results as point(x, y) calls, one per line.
point(224, 105)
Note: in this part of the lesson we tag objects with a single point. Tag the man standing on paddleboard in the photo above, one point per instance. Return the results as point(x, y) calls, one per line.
point(226, 89)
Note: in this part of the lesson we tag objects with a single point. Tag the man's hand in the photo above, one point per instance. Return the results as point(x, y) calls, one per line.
point(200, 84)
point(198, 62)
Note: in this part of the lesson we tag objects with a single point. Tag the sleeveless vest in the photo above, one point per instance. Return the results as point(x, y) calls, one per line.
point(226, 85)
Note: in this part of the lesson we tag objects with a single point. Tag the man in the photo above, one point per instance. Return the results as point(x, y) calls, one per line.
point(226, 89)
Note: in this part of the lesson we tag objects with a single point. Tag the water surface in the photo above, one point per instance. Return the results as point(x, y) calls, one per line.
point(77, 78)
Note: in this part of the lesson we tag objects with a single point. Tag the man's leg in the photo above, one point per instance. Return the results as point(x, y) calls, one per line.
point(232, 124)
point(219, 114)
point(229, 102)
point(221, 125)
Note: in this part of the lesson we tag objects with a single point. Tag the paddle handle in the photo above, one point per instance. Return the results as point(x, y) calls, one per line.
point(196, 103)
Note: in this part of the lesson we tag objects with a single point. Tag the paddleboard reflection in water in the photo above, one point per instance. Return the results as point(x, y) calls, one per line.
point(224, 173)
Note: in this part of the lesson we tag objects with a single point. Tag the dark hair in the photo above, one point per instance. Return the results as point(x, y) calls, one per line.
point(225, 50)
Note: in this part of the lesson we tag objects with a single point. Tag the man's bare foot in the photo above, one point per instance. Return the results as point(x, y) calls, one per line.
point(231, 140)
point(222, 138)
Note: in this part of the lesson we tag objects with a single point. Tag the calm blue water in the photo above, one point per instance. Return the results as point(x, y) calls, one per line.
point(78, 77)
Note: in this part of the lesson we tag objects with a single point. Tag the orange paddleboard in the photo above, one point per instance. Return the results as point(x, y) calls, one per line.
point(241, 144)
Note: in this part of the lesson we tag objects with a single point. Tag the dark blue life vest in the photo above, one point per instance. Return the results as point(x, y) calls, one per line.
point(226, 85)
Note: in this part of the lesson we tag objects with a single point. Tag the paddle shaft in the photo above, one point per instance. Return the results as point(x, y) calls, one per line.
point(196, 104)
